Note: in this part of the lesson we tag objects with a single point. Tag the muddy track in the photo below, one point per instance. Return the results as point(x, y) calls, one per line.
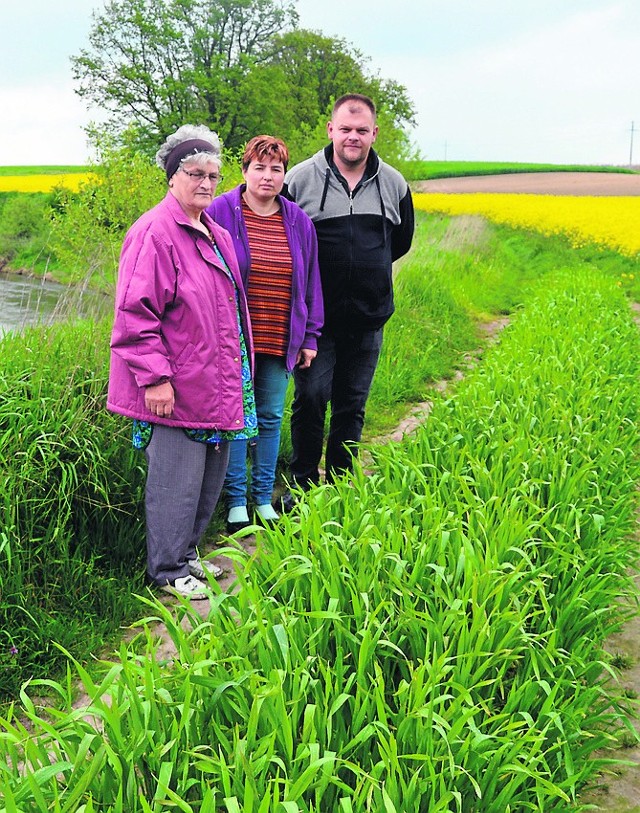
point(539, 183)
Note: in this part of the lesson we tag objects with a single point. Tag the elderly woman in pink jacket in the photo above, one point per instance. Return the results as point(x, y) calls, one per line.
point(181, 359)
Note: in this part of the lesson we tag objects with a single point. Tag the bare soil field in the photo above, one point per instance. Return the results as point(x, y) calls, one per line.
point(539, 183)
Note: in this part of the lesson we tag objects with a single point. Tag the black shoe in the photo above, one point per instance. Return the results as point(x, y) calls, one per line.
point(233, 527)
point(285, 503)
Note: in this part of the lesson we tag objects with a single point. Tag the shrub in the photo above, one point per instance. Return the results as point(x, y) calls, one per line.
point(24, 226)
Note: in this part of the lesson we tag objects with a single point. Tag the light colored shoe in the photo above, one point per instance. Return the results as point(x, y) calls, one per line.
point(237, 519)
point(238, 514)
point(187, 587)
point(267, 514)
point(197, 568)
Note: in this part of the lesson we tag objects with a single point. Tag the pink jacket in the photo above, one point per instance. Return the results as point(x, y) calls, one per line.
point(176, 317)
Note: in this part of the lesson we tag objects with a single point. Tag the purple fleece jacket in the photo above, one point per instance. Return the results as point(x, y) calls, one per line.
point(176, 317)
point(307, 313)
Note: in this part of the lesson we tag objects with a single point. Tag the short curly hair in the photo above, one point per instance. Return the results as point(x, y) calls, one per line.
point(190, 132)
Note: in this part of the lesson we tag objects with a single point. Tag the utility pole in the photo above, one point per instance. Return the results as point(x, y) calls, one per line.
point(631, 146)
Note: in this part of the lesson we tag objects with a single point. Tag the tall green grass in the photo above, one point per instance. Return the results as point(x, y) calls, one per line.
point(71, 538)
point(72, 489)
point(426, 638)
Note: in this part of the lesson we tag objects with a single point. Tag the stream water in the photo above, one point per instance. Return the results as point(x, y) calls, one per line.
point(28, 301)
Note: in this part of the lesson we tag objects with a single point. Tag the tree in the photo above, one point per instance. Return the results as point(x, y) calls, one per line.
point(239, 66)
point(156, 64)
point(318, 70)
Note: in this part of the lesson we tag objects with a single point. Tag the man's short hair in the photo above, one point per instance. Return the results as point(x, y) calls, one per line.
point(355, 99)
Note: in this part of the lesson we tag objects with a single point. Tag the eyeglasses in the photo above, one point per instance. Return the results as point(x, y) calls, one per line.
point(199, 177)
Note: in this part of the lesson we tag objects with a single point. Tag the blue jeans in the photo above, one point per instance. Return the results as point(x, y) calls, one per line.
point(270, 387)
point(341, 374)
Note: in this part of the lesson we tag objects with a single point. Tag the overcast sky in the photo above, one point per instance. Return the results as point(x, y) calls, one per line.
point(553, 81)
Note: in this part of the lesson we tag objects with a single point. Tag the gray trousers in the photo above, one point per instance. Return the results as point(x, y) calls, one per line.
point(184, 481)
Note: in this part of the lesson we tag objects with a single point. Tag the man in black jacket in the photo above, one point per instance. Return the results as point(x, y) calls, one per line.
point(363, 214)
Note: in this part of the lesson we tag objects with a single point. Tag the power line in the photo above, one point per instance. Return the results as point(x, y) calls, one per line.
point(631, 145)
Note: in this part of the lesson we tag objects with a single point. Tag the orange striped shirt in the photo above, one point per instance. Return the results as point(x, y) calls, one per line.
point(269, 282)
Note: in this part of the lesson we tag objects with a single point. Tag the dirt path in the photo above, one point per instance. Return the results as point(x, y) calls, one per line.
point(539, 183)
point(619, 791)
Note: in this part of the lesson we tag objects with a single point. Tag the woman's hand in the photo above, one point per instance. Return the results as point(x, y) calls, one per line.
point(159, 399)
point(305, 357)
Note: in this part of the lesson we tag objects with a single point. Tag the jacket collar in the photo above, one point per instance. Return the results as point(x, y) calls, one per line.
point(180, 216)
point(371, 169)
point(288, 212)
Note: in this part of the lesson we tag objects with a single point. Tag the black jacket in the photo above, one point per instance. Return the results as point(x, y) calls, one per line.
point(360, 234)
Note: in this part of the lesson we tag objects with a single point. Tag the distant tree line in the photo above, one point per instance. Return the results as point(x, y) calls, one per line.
point(243, 67)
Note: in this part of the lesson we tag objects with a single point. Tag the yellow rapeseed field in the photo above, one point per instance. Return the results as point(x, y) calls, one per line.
point(41, 183)
point(609, 222)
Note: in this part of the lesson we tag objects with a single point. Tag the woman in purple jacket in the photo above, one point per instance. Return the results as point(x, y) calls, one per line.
point(275, 242)
point(181, 358)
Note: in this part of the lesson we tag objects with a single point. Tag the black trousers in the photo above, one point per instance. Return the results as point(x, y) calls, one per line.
point(340, 375)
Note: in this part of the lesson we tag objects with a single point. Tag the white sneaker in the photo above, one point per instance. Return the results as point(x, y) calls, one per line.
point(197, 568)
point(187, 587)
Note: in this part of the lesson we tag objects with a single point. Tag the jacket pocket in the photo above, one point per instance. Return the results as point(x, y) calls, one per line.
point(183, 357)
